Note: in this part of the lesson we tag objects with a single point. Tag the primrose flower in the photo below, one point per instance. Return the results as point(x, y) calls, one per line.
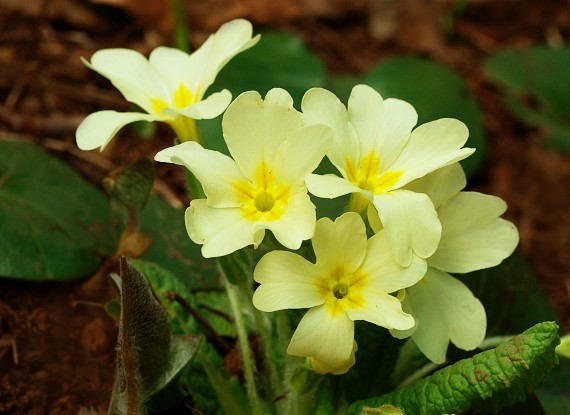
point(473, 237)
point(169, 86)
point(351, 280)
point(377, 154)
point(263, 187)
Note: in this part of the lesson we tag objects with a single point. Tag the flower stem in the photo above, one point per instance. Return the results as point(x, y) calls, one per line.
point(180, 26)
point(247, 358)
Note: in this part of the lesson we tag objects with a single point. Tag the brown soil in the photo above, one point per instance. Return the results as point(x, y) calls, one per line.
point(56, 352)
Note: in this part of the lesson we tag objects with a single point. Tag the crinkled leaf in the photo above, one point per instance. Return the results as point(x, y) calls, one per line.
point(488, 381)
point(536, 82)
point(436, 92)
point(53, 223)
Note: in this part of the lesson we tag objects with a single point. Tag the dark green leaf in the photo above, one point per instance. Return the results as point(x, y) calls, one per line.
point(488, 381)
point(436, 92)
point(53, 224)
point(536, 82)
point(132, 184)
point(511, 295)
point(171, 246)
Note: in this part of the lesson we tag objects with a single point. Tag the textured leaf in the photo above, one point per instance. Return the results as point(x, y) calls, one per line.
point(536, 82)
point(148, 357)
point(487, 381)
point(53, 224)
point(436, 92)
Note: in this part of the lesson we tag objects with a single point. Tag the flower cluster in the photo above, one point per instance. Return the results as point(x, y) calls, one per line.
point(386, 261)
point(405, 182)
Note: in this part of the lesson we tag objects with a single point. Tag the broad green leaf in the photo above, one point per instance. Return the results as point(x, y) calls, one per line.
point(148, 356)
point(436, 92)
point(488, 381)
point(53, 223)
point(171, 246)
point(536, 82)
point(279, 60)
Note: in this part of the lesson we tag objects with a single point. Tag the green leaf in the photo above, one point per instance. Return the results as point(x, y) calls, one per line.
point(163, 282)
point(436, 92)
point(279, 60)
point(488, 381)
point(536, 82)
point(171, 246)
point(131, 185)
point(53, 223)
point(148, 357)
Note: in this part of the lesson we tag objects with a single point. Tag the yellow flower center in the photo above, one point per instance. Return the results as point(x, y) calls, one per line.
point(343, 290)
point(340, 290)
point(183, 97)
point(368, 174)
point(264, 201)
point(184, 127)
point(264, 198)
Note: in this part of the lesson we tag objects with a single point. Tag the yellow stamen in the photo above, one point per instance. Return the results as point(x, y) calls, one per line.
point(263, 197)
point(369, 176)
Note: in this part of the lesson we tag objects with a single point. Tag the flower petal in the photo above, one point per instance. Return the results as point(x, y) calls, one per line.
point(410, 222)
point(131, 73)
point(322, 368)
point(297, 223)
point(207, 61)
point(287, 281)
point(473, 236)
point(216, 172)
point(320, 106)
point(170, 64)
point(340, 243)
point(382, 270)
point(221, 231)
point(381, 309)
point(254, 129)
point(205, 109)
point(301, 153)
point(324, 336)
point(99, 128)
point(383, 127)
point(329, 186)
point(441, 184)
point(431, 146)
point(446, 310)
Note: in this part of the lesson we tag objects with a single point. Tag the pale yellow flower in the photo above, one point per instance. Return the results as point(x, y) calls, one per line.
point(473, 237)
point(170, 85)
point(263, 186)
point(351, 280)
point(377, 154)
